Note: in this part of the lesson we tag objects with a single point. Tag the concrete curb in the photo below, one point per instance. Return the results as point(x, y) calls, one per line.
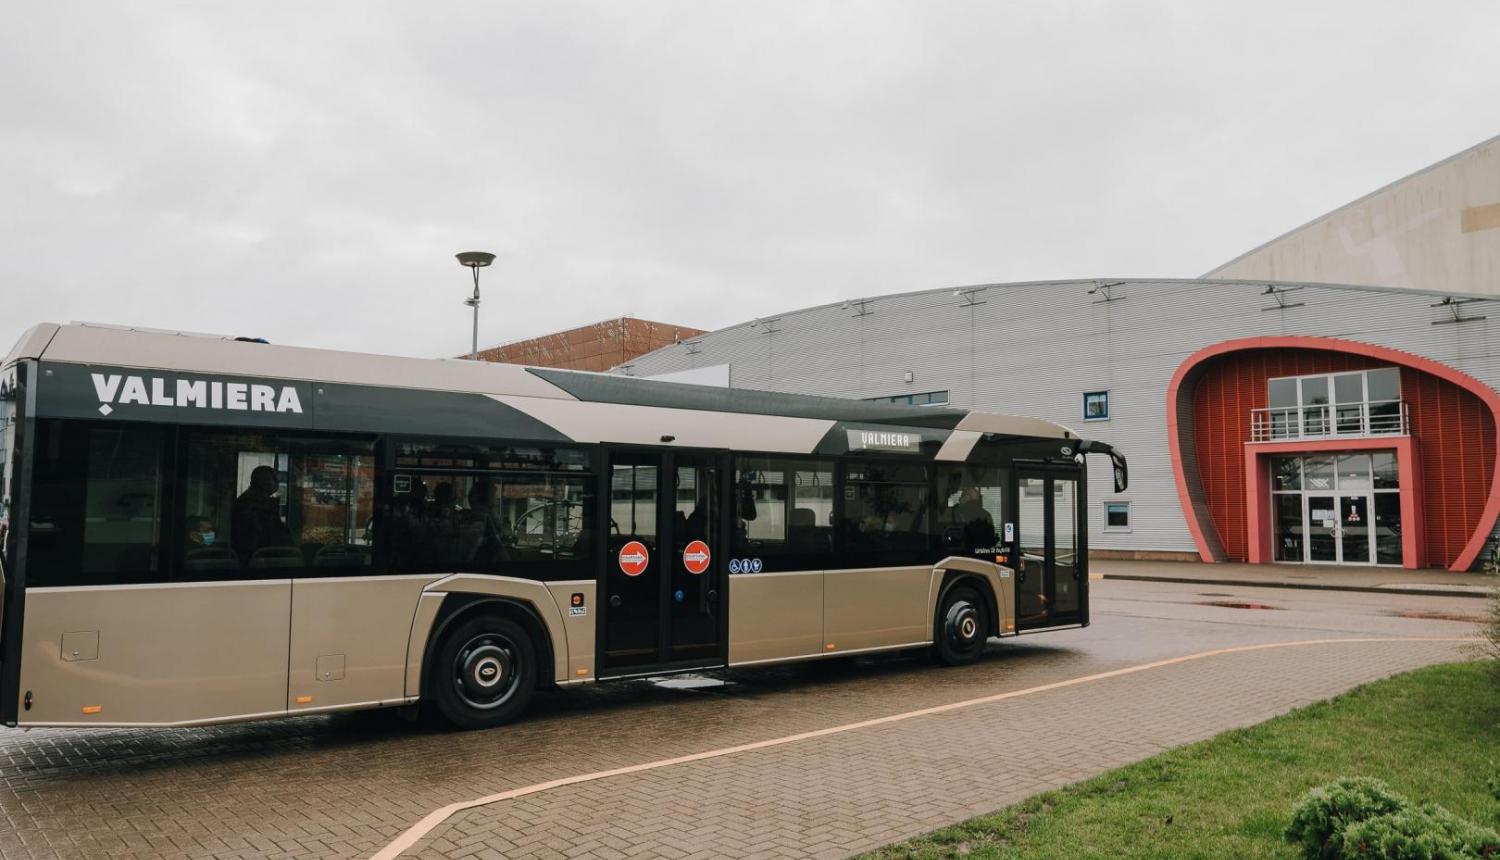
point(1248, 583)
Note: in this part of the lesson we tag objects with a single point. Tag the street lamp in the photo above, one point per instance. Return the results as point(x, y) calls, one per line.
point(475, 260)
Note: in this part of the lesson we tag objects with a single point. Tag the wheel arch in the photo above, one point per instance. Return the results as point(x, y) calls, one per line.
point(458, 607)
point(979, 574)
point(442, 600)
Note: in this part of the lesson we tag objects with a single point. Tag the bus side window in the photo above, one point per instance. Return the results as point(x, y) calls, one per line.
point(259, 504)
point(784, 512)
point(494, 509)
point(971, 507)
point(887, 516)
point(97, 504)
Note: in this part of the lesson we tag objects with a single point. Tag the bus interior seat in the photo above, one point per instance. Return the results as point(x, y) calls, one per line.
point(211, 558)
point(276, 556)
point(341, 555)
point(803, 532)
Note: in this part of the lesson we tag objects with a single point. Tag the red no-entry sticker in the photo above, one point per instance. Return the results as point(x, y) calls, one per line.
point(633, 558)
point(695, 557)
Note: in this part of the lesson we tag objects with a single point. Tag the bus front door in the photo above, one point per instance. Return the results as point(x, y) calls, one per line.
point(662, 584)
point(1051, 576)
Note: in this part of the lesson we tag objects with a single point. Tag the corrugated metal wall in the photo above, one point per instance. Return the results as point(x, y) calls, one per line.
point(1035, 348)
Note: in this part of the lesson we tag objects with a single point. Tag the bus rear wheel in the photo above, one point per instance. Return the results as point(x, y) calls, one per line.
point(961, 627)
point(484, 673)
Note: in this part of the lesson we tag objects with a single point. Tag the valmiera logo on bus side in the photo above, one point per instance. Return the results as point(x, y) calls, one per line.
point(153, 391)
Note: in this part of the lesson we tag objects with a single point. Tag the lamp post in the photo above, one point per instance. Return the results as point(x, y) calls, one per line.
point(475, 260)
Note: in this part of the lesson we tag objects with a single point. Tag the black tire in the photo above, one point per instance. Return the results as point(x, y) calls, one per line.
point(484, 673)
point(962, 626)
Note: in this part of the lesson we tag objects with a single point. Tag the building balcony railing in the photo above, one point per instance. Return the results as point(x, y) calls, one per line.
point(1331, 421)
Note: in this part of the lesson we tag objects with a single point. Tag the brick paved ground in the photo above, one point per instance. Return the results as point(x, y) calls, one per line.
point(346, 786)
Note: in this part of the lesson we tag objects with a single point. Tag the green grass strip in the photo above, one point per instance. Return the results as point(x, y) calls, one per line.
point(1433, 734)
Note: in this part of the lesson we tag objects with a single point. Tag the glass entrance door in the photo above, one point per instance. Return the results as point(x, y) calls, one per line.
point(662, 593)
point(1322, 529)
point(1339, 530)
point(1342, 508)
point(1354, 530)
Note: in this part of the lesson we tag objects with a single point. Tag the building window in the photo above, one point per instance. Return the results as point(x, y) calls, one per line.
point(926, 398)
point(1096, 406)
point(1117, 516)
point(1356, 403)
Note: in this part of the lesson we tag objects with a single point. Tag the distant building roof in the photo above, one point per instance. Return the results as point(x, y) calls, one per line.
point(598, 346)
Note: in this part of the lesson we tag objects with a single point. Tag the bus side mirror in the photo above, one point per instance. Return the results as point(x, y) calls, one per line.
point(1122, 474)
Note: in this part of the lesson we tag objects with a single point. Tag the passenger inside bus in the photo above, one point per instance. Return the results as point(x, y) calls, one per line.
point(199, 550)
point(480, 537)
point(970, 514)
point(256, 523)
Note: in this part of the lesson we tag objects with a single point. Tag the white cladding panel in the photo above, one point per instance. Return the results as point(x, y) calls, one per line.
point(1438, 229)
point(1034, 349)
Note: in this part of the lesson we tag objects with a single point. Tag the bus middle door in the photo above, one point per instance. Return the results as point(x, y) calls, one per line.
point(663, 598)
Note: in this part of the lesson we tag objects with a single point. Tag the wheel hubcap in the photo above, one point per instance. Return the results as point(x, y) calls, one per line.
point(485, 671)
point(962, 624)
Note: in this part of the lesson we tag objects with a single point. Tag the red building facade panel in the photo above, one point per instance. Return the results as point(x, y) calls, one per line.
point(1453, 427)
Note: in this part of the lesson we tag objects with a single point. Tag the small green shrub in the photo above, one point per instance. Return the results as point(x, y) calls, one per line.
point(1323, 814)
point(1427, 832)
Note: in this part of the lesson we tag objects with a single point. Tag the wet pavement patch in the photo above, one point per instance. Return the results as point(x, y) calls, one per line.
point(1434, 615)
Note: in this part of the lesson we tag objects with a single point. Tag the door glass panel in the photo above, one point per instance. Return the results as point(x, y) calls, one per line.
point(1354, 526)
point(1286, 473)
point(694, 580)
point(1288, 526)
point(1387, 528)
point(1031, 597)
point(1322, 521)
point(1317, 473)
point(1354, 471)
point(633, 583)
point(1386, 477)
point(1065, 571)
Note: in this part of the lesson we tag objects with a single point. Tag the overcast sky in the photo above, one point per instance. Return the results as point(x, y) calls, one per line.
point(305, 171)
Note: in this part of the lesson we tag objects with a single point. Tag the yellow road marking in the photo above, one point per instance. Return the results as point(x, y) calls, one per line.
point(430, 822)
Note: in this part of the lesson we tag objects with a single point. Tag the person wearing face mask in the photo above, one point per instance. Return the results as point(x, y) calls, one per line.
point(202, 550)
point(200, 532)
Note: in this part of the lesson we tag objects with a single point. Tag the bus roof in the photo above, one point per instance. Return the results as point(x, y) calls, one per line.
point(129, 348)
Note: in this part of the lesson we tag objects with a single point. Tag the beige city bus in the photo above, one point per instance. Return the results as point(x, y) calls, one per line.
point(209, 529)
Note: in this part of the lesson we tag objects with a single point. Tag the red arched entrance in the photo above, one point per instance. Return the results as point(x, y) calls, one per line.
point(1450, 476)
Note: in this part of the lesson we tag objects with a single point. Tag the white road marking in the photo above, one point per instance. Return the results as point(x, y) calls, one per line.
point(431, 821)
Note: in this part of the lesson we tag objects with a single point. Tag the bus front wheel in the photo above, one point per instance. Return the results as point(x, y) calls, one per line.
point(961, 627)
point(484, 673)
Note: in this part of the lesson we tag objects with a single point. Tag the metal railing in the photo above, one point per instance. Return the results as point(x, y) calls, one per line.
point(1337, 420)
